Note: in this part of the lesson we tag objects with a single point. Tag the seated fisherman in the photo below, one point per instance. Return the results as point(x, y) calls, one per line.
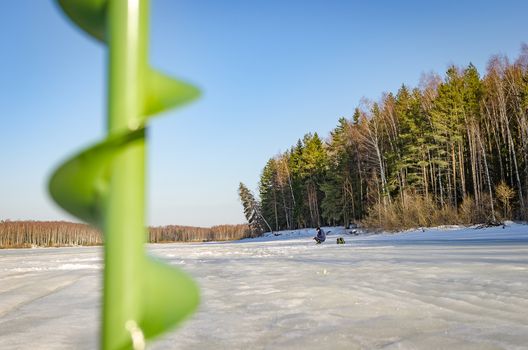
point(321, 236)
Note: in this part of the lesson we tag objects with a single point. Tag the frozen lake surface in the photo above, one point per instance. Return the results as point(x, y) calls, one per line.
point(438, 289)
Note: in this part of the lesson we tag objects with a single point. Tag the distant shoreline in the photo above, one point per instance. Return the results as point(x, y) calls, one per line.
point(53, 234)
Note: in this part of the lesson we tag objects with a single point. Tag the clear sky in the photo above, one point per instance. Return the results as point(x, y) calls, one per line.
point(270, 72)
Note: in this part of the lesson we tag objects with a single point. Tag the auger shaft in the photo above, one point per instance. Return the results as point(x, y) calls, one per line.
point(125, 206)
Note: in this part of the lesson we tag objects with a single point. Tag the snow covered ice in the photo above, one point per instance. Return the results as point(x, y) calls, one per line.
point(439, 289)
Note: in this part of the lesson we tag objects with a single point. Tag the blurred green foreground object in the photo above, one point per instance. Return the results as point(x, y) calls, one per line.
point(105, 185)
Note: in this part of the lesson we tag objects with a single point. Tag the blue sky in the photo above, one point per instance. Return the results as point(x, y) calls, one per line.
point(270, 72)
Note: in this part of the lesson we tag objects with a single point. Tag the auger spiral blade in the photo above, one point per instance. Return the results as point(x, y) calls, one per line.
point(104, 184)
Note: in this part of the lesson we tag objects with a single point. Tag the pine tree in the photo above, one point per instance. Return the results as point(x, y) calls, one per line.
point(271, 195)
point(339, 202)
point(312, 171)
point(448, 134)
point(252, 212)
point(300, 207)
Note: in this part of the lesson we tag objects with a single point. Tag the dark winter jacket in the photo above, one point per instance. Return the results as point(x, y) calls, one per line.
point(321, 235)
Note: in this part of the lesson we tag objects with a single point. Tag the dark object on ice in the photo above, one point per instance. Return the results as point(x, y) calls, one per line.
point(321, 236)
point(340, 240)
point(491, 223)
point(277, 234)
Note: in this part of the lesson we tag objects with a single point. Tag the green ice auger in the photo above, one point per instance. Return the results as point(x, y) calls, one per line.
point(104, 185)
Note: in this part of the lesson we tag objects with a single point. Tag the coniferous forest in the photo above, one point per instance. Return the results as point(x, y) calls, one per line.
point(453, 150)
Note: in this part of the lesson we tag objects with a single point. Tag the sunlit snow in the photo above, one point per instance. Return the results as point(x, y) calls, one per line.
point(437, 289)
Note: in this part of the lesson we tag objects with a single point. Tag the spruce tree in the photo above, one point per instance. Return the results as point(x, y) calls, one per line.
point(252, 212)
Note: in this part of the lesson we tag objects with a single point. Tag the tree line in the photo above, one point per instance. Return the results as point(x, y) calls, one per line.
point(19, 234)
point(452, 150)
point(175, 233)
